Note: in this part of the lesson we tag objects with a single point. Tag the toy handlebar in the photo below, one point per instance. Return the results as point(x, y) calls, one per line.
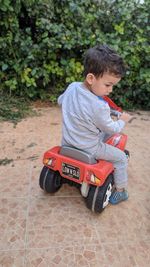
point(114, 109)
point(115, 113)
point(112, 104)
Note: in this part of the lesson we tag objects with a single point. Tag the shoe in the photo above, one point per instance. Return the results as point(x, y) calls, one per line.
point(117, 196)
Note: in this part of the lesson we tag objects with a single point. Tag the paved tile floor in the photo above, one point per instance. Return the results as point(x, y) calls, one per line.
point(42, 230)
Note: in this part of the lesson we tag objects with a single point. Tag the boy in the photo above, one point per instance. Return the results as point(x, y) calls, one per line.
point(86, 116)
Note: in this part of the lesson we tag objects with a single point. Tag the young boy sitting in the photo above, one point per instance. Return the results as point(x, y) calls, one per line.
point(86, 115)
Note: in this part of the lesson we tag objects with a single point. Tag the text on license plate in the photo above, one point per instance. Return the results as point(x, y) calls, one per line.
point(70, 171)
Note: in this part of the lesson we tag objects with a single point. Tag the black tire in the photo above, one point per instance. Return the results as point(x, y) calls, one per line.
point(50, 181)
point(96, 198)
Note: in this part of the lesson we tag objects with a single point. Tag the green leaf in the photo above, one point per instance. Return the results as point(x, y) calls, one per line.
point(4, 67)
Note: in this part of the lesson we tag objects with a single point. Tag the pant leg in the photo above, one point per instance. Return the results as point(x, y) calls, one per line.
point(119, 160)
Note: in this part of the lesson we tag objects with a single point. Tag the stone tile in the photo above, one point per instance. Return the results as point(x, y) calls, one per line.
point(135, 218)
point(59, 221)
point(61, 235)
point(104, 255)
point(136, 253)
point(138, 180)
point(53, 257)
point(127, 221)
point(142, 253)
point(12, 258)
point(113, 255)
point(17, 146)
point(51, 211)
point(118, 254)
point(15, 179)
point(12, 223)
point(80, 256)
point(88, 255)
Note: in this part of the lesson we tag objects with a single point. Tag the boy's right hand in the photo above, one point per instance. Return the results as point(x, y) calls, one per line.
point(125, 117)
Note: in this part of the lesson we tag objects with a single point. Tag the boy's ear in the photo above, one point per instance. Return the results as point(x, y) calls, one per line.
point(90, 78)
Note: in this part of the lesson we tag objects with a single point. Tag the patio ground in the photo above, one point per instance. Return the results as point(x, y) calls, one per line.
point(42, 230)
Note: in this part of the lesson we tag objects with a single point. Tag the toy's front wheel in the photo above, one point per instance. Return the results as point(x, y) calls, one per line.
point(98, 197)
point(50, 181)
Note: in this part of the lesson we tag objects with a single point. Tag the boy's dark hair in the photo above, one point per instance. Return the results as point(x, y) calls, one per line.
point(101, 59)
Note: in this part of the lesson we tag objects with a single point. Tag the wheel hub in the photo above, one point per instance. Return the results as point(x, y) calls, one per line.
point(107, 195)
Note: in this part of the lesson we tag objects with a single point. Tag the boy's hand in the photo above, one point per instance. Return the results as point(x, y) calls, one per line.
point(126, 117)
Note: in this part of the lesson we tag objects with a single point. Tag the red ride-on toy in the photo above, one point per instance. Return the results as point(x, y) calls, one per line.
point(76, 167)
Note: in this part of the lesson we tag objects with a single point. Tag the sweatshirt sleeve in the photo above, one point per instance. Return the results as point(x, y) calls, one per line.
point(104, 122)
point(59, 100)
point(62, 96)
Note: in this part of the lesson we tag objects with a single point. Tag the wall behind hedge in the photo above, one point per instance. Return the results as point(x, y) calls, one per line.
point(42, 45)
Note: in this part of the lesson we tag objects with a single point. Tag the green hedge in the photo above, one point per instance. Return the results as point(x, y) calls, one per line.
point(42, 45)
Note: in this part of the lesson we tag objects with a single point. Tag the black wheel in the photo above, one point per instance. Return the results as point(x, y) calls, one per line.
point(98, 197)
point(50, 181)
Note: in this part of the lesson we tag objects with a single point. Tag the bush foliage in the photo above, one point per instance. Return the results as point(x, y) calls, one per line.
point(42, 43)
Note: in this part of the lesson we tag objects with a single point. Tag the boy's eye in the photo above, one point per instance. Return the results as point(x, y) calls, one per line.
point(107, 85)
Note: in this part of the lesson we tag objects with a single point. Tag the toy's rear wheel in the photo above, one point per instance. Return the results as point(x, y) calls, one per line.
point(98, 197)
point(50, 181)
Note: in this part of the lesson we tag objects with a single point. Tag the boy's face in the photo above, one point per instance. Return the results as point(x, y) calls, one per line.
point(102, 86)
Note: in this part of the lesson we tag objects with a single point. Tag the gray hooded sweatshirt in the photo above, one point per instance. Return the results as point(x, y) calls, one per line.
point(86, 119)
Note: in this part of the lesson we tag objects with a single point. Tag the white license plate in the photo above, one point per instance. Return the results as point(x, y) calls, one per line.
point(71, 171)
